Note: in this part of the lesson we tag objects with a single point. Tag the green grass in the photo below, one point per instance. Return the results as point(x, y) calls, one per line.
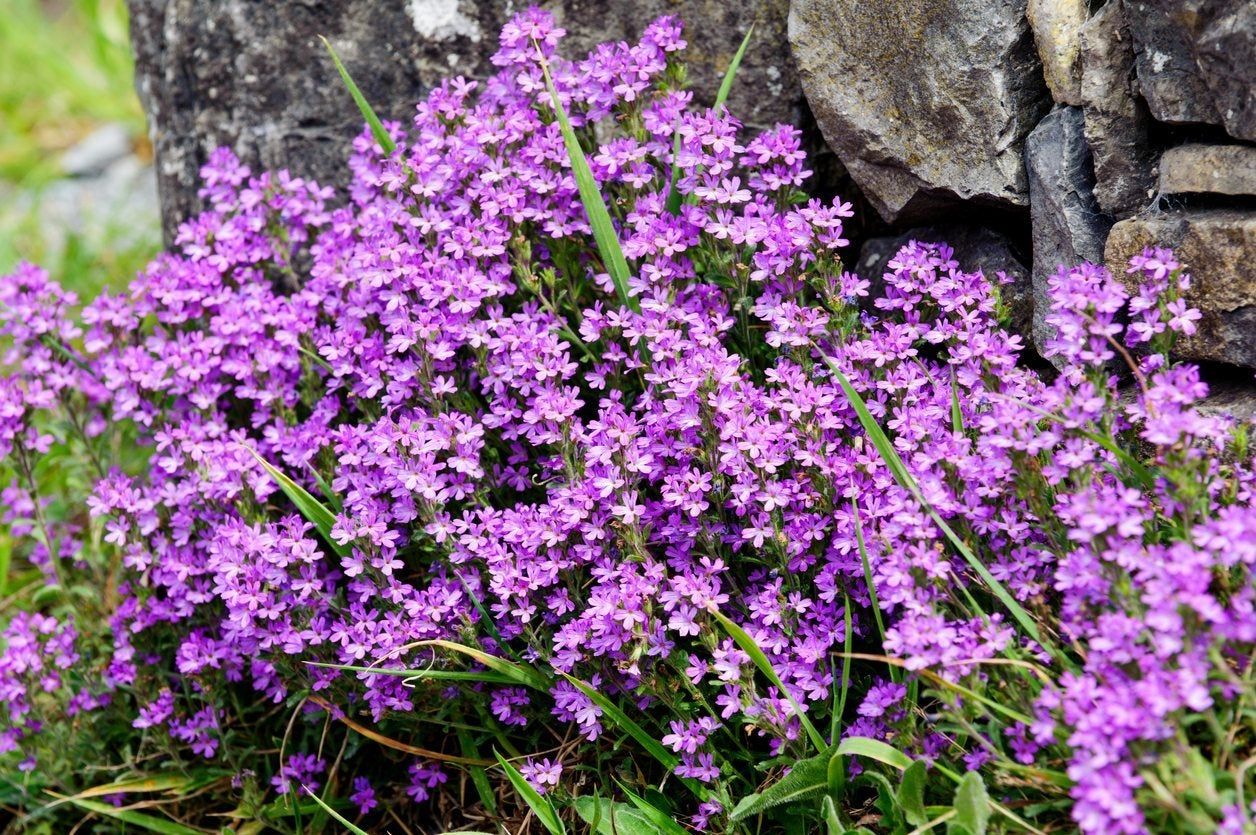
point(66, 70)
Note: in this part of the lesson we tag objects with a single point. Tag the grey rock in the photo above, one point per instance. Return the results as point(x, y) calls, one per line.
point(1057, 28)
point(1215, 246)
point(254, 75)
point(1226, 53)
point(1209, 169)
point(1164, 33)
point(1230, 399)
point(96, 151)
point(1116, 119)
point(1068, 226)
point(976, 248)
point(1197, 61)
point(926, 102)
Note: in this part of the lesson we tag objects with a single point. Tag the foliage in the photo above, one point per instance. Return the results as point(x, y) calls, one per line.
point(433, 486)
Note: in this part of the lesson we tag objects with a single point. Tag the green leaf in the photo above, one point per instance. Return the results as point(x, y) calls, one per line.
point(314, 511)
point(899, 470)
point(606, 817)
point(540, 806)
point(481, 676)
point(726, 85)
point(148, 823)
point(807, 778)
point(341, 819)
point(364, 107)
point(614, 714)
point(839, 710)
point(873, 749)
point(911, 794)
point(760, 659)
point(527, 676)
point(661, 820)
point(479, 777)
point(896, 675)
point(6, 559)
point(972, 804)
point(599, 218)
point(828, 810)
point(674, 197)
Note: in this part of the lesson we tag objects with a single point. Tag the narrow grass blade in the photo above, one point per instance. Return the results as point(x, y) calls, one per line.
point(726, 85)
point(527, 676)
point(957, 415)
point(484, 677)
point(340, 819)
point(599, 218)
point(540, 806)
point(612, 712)
point(896, 675)
point(479, 777)
point(396, 745)
point(314, 511)
point(364, 107)
point(653, 747)
point(839, 711)
point(148, 823)
point(760, 659)
point(892, 460)
point(665, 824)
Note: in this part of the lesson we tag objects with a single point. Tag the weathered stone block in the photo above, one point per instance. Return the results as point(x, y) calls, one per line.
point(1067, 223)
point(927, 103)
point(1116, 119)
point(254, 75)
point(1209, 169)
point(1216, 248)
point(1057, 26)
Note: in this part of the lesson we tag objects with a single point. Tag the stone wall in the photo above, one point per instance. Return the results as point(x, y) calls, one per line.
point(1028, 132)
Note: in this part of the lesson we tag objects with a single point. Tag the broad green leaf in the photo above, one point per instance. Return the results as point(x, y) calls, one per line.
point(911, 794)
point(540, 806)
point(364, 107)
point(674, 197)
point(148, 823)
point(972, 804)
point(828, 810)
point(892, 460)
point(604, 234)
point(341, 819)
point(606, 817)
point(807, 778)
point(873, 749)
point(314, 511)
point(759, 657)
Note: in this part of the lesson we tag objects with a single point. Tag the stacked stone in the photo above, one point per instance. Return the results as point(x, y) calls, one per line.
point(1028, 133)
point(1118, 125)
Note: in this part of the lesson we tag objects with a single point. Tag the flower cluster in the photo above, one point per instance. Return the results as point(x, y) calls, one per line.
point(425, 432)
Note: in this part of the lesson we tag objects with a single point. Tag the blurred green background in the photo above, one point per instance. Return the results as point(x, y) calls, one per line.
point(76, 187)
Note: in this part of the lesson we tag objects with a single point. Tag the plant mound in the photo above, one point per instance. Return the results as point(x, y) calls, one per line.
point(626, 502)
